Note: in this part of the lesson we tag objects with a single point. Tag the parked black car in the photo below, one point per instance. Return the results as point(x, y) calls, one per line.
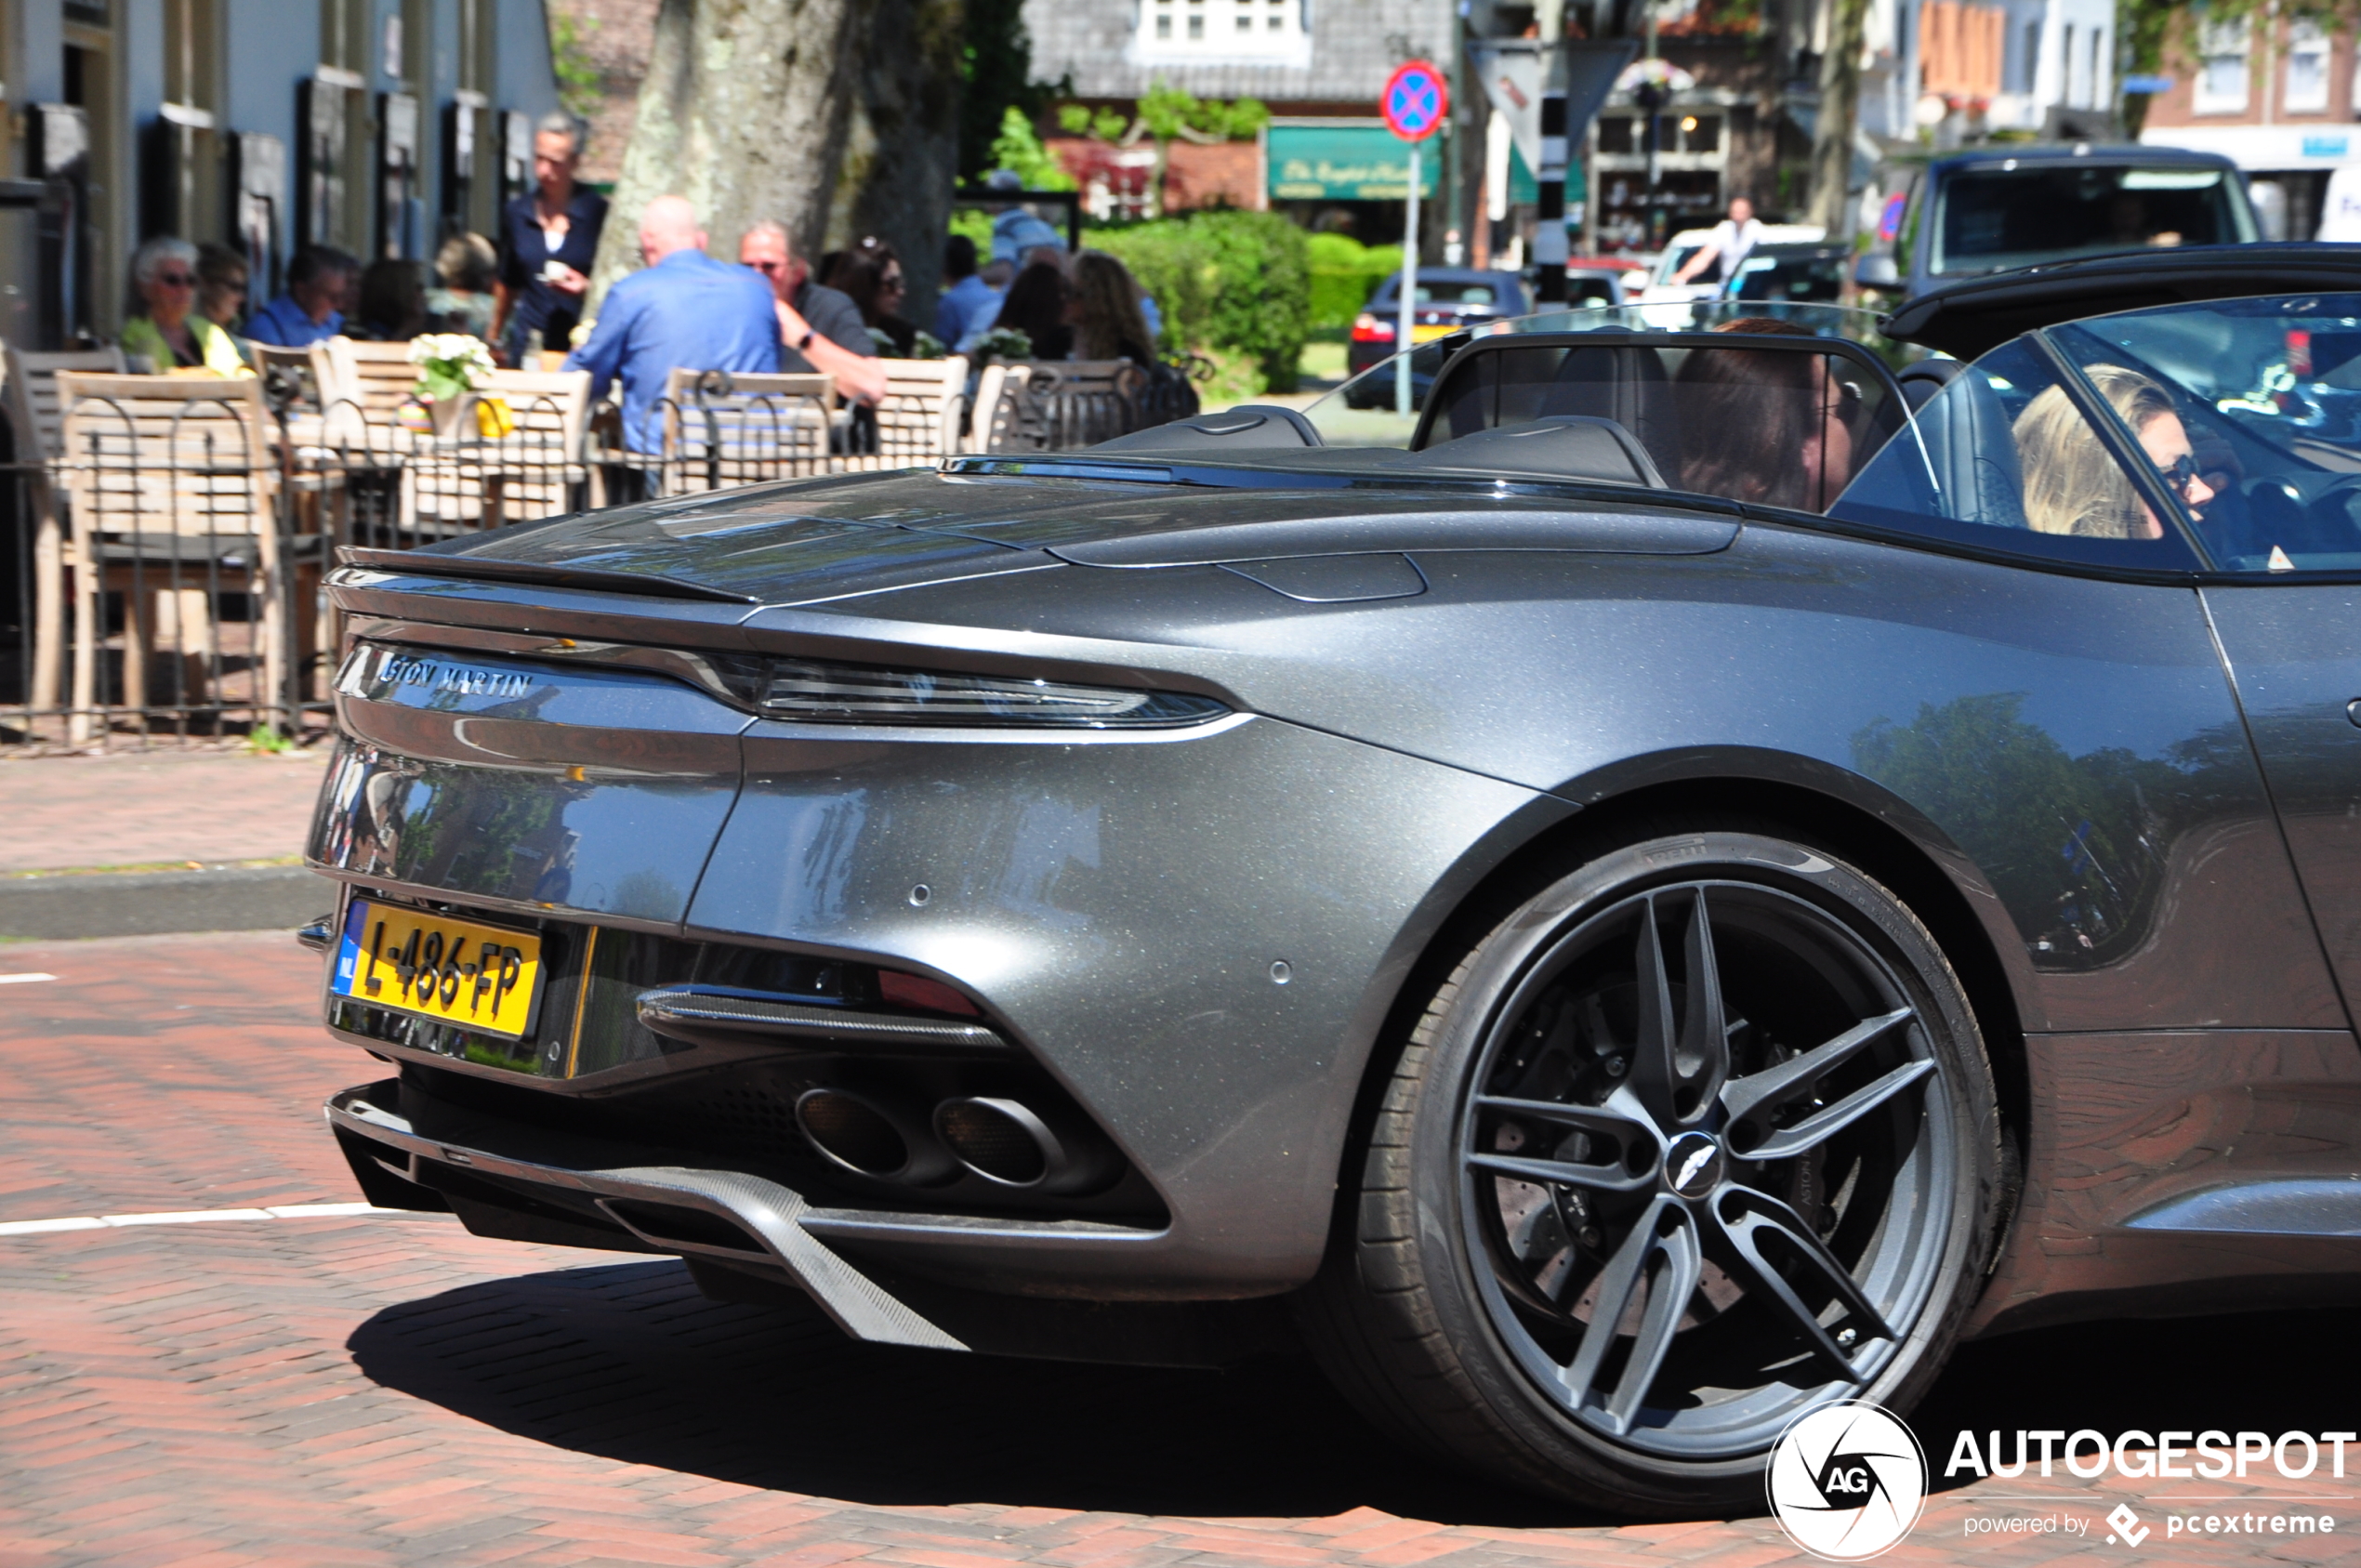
point(1667, 890)
point(1448, 299)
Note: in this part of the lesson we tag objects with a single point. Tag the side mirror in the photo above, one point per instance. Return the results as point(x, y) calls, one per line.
point(1877, 270)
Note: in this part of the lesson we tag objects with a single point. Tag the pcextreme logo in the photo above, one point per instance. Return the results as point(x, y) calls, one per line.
point(1846, 1481)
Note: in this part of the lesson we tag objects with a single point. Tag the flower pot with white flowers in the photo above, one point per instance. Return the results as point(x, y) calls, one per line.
point(452, 367)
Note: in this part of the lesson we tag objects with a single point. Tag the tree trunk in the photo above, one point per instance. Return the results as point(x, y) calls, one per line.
point(837, 118)
point(1839, 113)
point(900, 159)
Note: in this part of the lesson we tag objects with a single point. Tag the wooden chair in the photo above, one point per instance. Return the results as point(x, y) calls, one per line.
point(1060, 406)
point(921, 418)
point(29, 396)
point(722, 428)
point(174, 504)
point(535, 471)
point(991, 384)
point(361, 387)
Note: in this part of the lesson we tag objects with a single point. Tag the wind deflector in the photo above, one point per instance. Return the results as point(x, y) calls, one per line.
point(1969, 319)
point(422, 563)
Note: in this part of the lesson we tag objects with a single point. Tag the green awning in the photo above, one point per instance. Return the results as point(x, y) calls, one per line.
point(1350, 162)
point(1347, 162)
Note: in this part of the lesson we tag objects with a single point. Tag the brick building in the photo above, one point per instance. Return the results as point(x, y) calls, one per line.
point(2275, 95)
point(1317, 65)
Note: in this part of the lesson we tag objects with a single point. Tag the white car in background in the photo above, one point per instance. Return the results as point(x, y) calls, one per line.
point(1655, 287)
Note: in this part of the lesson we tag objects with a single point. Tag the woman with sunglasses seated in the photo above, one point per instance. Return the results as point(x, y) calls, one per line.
point(2072, 485)
point(164, 326)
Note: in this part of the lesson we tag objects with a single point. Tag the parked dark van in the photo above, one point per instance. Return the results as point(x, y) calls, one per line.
point(1995, 208)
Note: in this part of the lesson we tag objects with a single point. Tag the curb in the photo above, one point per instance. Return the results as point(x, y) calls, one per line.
point(130, 904)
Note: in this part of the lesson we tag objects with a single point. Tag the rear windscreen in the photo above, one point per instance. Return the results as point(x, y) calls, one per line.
point(1992, 219)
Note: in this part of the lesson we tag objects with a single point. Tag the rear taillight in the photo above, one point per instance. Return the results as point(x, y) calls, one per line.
point(1371, 328)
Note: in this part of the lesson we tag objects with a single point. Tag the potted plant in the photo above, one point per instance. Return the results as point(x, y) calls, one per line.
point(1006, 344)
point(452, 365)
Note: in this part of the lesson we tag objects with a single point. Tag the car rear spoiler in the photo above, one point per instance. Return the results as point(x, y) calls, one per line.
point(1968, 319)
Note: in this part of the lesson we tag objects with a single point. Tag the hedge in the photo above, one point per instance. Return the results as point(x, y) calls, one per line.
point(1233, 282)
point(1344, 273)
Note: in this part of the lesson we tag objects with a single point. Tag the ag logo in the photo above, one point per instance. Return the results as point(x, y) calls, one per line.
point(1846, 1481)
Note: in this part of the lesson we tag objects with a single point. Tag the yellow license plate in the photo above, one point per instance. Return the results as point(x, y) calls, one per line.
point(456, 972)
point(1428, 334)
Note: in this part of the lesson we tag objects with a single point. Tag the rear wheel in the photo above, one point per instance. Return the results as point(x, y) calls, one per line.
point(1700, 1137)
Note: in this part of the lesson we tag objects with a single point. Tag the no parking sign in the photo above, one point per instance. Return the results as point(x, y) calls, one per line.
point(1415, 101)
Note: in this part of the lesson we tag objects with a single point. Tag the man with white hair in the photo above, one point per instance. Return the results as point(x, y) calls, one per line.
point(684, 310)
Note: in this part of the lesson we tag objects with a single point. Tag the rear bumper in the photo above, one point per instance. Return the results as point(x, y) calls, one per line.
point(666, 1208)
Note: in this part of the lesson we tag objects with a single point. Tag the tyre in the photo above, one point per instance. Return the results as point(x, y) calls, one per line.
point(1700, 1137)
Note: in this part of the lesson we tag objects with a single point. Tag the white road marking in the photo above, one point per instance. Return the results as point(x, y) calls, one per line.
point(23, 979)
point(192, 1217)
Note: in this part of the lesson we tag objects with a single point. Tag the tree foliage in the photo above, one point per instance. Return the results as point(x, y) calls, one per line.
point(1228, 283)
point(995, 78)
point(1019, 150)
point(1167, 114)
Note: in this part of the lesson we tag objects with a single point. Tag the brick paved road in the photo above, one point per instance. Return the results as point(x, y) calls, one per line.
point(379, 1391)
point(139, 808)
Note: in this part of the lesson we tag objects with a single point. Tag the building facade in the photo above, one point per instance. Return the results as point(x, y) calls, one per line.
point(2275, 95)
point(1317, 65)
point(374, 125)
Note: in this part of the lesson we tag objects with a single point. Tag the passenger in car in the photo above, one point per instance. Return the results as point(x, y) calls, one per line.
point(2072, 482)
point(1762, 426)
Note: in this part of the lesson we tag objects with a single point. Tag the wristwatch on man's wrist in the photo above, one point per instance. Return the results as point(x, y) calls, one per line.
point(805, 341)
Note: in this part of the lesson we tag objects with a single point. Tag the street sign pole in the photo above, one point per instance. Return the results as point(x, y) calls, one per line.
point(1409, 291)
point(1550, 215)
point(1414, 104)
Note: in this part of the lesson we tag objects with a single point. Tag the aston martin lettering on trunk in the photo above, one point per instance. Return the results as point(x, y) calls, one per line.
point(463, 679)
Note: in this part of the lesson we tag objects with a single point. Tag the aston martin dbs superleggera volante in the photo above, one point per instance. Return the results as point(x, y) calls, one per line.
point(1667, 885)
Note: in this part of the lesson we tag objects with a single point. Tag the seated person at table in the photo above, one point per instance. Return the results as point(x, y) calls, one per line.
point(393, 305)
point(683, 311)
point(467, 267)
point(221, 287)
point(162, 326)
point(319, 290)
point(819, 329)
point(1037, 305)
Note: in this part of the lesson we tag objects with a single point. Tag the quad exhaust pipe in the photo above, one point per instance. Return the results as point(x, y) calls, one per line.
point(1002, 1141)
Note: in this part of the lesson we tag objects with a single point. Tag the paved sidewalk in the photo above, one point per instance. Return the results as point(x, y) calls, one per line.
point(387, 1390)
point(153, 809)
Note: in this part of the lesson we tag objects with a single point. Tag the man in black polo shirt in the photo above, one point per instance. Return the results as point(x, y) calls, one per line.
point(819, 329)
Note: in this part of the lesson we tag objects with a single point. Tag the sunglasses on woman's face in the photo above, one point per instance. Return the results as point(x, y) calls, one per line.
point(176, 280)
point(2181, 473)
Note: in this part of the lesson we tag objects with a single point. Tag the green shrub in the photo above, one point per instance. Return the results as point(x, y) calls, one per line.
point(1344, 273)
point(1237, 283)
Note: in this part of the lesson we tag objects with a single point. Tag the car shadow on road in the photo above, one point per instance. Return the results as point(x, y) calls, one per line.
point(630, 1362)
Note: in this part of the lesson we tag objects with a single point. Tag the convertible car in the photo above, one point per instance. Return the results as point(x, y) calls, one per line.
point(1672, 884)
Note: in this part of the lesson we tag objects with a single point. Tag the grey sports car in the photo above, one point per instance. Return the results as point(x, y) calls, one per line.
point(1671, 885)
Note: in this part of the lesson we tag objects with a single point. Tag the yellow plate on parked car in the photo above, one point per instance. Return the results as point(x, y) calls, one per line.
point(1430, 332)
point(456, 972)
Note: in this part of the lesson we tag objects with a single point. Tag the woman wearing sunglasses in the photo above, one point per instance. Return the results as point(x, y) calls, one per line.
point(164, 326)
point(2071, 483)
